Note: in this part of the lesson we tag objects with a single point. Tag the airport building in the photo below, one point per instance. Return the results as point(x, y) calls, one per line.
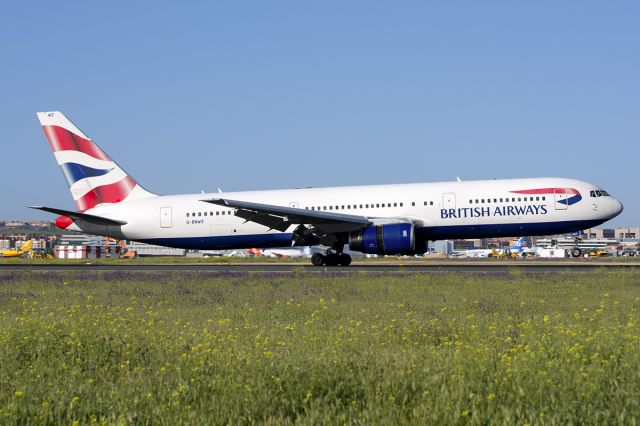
point(143, 249)
point(585, 245)
point(627, 233)
point(599, 233)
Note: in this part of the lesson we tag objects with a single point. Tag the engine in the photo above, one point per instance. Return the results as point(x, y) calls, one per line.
point(395, 238)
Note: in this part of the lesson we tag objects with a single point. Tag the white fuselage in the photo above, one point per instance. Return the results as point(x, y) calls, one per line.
point(474, 209)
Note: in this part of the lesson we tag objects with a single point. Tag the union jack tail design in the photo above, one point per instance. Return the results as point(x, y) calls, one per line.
point(93, 177)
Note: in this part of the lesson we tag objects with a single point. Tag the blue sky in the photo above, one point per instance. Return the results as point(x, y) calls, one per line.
point(191, 96)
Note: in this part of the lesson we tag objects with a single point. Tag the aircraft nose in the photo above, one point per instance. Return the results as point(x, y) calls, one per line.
point(616, 207)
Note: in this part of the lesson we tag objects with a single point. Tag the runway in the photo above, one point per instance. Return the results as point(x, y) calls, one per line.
point(356, 267)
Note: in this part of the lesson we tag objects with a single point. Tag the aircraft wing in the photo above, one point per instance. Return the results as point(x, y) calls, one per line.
point(281, 218)
point(97, 220)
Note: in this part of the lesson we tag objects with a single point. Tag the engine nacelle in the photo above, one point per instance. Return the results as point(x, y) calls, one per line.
point(394, 238)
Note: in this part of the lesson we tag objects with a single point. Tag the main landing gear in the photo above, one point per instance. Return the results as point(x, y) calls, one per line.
point(331, 258)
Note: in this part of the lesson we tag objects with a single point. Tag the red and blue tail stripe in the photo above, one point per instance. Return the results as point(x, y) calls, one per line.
point(93, 177)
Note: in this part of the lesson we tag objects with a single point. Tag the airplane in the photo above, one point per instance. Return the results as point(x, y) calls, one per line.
point(377, 219)
point(517, 248)
point(288, 253)
point(17, 252)
point(291, 253)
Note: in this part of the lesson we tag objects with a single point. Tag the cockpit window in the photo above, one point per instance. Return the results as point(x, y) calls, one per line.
point(592, 194)
point(599, 193)
point(605, 193)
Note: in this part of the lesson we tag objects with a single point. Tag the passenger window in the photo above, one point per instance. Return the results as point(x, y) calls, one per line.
point(482, 201)
point(488, 200)
point(470, 201)
point(342, 207)
point(187, 214)
point(519, 199)
point(425, 203)
point(543, 198)
point(501, 200)
point(477, 201)
point(400, 204)
point(537, 198)
point(360, 205)
point(413, 204)
point(378, 205)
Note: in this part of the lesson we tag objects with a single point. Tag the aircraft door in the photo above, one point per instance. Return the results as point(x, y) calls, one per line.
point(166, 217)
point(449, 200)
point(561, 196)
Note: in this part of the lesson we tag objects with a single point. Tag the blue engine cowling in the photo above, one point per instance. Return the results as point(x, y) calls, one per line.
point(395, 238)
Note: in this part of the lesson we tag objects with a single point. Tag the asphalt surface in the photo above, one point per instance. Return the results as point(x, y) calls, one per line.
point(369, 267)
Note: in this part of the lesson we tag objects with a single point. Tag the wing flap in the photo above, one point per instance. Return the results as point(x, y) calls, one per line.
point(271, 222)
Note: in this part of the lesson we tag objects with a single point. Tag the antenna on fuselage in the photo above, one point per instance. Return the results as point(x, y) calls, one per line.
point(458, 179)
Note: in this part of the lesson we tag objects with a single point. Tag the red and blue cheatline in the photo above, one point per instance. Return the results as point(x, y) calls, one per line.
point(572, 194)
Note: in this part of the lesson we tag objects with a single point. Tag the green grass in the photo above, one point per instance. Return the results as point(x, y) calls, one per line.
point(220, 348)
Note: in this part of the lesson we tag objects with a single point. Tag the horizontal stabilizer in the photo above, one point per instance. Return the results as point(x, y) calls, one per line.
point(98, 220)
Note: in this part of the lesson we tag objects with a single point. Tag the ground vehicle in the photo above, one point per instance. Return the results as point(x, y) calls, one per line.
point(504, 254)
point(41, 253)
point(124, 252)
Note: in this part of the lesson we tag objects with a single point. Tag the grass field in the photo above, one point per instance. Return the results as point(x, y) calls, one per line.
point(220, 348)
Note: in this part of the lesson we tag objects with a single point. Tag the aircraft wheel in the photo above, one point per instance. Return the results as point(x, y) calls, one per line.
point(344, 259)
point(331, 259)
point(317, 259)
point(576, 252)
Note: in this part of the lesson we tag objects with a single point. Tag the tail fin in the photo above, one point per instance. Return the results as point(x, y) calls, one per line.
point(27, 246)
point(93, 177)
point(519, 243)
